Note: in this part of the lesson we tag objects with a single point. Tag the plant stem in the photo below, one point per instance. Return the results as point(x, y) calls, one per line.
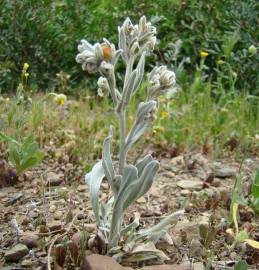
point(122, 154)
point(122, 120)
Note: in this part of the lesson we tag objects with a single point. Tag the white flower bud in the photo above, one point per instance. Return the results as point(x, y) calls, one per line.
point(167, 78)
point(252, 50)
point(160, 80)
point(106, 68)
point(103, 87)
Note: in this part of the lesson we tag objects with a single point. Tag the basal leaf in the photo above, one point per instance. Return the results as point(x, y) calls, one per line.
point(94, 180)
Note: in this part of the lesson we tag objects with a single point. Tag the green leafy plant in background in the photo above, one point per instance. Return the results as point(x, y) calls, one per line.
point(254, 200)
point(27, 25)
point(23, 155)
point(241, 265)
point(240, 236)
point(128, 182)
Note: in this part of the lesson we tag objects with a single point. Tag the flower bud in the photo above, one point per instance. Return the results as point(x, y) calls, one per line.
point(106, 68)
point(252, 50)
point(160, 80)
point(103, 87)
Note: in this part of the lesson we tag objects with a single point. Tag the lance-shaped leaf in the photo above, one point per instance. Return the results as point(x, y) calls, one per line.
point(143, 121)
point(107, 160)
point(6, 138)
point(94, 180)
point(116, 57)
point(140, 186)
point(106, 213)
point(143, 162)
point(132, 226)
point(171, 219)
point(123, 43)
point(130, 174)
point(129, 87)
point(255, 186)
point(144, 252)
point(140, 72)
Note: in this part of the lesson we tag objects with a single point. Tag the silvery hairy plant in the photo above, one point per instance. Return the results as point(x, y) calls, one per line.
point(127, 182)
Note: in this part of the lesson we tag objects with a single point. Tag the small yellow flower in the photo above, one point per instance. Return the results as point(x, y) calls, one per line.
point(25, 67)
point(7, 99)
point(26, 74)
point(164, 114)
point(204, 54)
point(60, 99)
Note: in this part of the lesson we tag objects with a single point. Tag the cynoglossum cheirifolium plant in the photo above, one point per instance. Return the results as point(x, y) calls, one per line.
point(128, 182)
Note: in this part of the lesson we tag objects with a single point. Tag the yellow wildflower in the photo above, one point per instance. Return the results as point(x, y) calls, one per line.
point(26, 74)
point(60, 99)
point(164, 114)
point(204, 54)
point(25, 67)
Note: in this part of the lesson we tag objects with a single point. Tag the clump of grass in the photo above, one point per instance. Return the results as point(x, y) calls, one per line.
point(195, 118)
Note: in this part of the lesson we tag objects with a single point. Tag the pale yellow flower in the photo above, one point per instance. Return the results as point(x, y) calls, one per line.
point(26, 74)
point(25, 68)
point(60, 99)
point(204, 54)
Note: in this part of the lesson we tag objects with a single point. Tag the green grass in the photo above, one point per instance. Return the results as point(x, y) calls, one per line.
point(195, 118)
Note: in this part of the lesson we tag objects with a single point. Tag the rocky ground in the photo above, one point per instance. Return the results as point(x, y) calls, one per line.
point(50, 206)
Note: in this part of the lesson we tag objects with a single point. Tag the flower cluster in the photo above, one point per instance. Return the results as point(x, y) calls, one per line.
point(147, 111)
point(160, 80)
point(134, 39)
point(92, 57)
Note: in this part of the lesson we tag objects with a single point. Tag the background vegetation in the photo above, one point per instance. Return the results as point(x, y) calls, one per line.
point(216, 107)
point(45, 34)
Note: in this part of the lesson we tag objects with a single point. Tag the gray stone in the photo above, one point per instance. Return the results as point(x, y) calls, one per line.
point(16, 253)
point(190, 184)
point(54, 225)
point(58, 215)
point(198, 266)
point(54, 179)
point(81, 188)
point(166, 267)
point(224, 172)
point(100, 262)
point(196, 249)
point(30, 239)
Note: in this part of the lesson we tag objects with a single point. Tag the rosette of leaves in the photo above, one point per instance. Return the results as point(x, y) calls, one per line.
point(128, 182)
point(23, 155)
